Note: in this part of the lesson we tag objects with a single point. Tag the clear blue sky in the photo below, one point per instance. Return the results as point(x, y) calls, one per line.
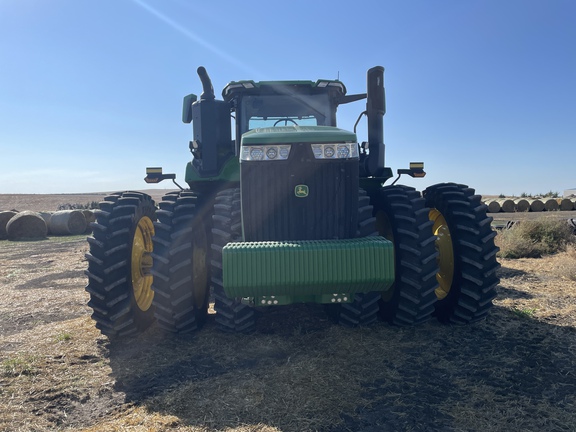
point(484, 92)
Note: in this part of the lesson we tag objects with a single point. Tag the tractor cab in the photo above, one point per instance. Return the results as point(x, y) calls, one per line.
point(283, 103)
point(258, 106)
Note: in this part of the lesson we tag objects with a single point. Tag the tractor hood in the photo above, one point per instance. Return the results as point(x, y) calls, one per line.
point(297, 134)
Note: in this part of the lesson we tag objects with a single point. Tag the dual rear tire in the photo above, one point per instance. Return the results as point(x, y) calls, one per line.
point(120, 264)
point(232, 315)
point(445, 256)
point(141, 269)
point(467, 262)
point(146, 264)
point(402, 217)
point(181, 262)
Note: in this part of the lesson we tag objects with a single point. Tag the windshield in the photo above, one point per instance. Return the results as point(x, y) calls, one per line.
point(262, 122)
point(279, 110)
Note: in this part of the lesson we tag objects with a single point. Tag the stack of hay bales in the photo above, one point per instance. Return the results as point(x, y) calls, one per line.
point(508, 205)
point(25, 225)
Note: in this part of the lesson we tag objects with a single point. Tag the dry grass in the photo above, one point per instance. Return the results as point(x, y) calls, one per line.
point(567, 265)
point(298, 372)
point(535, 238)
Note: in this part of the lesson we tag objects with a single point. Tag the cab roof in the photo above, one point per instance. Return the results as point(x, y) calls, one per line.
point(249, 87)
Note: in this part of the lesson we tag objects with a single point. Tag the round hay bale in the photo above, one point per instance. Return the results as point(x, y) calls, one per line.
point(67, 222)
point(565, 204)
point(5, 216)
point(507, 205)
point(522, 205)
point(536, 205)
point(493, 206)
point(46, 216)
point(26, 225)
point(551, 205)
point(90, 217)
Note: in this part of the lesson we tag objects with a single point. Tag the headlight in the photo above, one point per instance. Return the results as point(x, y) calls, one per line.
point(343, 151)
point(256, 153)
point(335, 151)
point(329, 151)
point(265, 152)
point(284, 152)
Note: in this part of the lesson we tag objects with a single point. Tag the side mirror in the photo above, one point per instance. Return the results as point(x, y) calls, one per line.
point(154, 175)
point(187, 107)
point(416, 170)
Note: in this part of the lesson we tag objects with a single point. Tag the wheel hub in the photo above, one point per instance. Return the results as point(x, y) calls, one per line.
point(141, 263)
point(445, 275)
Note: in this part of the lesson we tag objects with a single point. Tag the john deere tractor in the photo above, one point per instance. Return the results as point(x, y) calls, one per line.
point(283, 206)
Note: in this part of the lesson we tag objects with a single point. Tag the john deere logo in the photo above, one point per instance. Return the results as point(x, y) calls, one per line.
point(301, 191)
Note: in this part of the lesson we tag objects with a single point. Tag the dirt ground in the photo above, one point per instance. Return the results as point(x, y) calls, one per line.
point(50, 202)
point(514, 371)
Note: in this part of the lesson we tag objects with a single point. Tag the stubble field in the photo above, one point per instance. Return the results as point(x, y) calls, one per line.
point(298, 372)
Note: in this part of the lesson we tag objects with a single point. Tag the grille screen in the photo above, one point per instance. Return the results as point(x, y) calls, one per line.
point(299, 199)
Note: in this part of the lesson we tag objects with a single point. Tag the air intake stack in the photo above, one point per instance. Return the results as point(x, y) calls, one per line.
point(375, 110)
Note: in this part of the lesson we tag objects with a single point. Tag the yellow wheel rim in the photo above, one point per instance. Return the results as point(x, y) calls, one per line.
point(445, 275)
point(142, 263)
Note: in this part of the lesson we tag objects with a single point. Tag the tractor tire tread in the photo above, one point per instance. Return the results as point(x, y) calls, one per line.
point(413, 298)
point(470, 297)
point(109, 264)
point(179, 220)
point(231, 314)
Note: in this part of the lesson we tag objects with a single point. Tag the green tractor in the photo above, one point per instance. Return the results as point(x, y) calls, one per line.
point(291, 210)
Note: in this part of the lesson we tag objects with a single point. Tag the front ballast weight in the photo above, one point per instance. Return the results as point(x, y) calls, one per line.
point(321, 271)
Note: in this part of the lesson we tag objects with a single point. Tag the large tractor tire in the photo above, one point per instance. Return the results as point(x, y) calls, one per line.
point(231, 314)
point(363, 310)
point(120, 263)
point(467, 254)
point(402, 217)
point(181, 262)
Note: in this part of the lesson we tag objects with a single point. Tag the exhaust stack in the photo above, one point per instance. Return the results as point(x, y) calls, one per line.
point(207, 89)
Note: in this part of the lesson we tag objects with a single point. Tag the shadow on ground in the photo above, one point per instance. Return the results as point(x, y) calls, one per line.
point(299, 372)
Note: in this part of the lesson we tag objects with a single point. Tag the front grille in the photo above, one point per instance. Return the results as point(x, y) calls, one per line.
point(272, 211)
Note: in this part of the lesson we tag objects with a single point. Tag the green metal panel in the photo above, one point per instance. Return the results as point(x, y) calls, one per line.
point(308, 268)
point(294, 134)
point(230, 172)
